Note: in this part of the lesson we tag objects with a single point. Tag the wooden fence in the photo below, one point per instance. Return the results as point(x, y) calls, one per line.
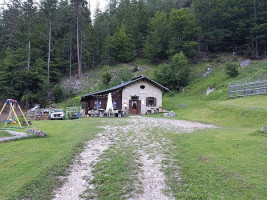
point(247, 89)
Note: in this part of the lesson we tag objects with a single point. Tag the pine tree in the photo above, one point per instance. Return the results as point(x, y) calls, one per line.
point(122, 46)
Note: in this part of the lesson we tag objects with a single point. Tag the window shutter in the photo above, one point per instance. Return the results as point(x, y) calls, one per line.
point(155, 102)
point(138, 106)
point(130, 106)
point(147, 101)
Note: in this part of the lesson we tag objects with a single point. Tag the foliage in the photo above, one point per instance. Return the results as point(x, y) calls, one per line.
point(125, 30)
point(176, 75)
point(231, 70)
point(184, 32)
point(106, 77)
point(125, 74)
point(58, 93)
point(156, 41)
point(122, 46)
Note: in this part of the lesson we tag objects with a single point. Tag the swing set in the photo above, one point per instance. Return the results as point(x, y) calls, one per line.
point(10, 119)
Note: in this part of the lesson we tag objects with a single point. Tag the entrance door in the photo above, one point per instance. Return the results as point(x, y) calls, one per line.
point(135, 107)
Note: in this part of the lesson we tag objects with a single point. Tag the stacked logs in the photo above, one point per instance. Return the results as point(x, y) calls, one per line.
point(36, 132)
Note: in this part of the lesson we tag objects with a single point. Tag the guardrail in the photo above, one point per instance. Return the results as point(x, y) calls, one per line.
point(247, 89)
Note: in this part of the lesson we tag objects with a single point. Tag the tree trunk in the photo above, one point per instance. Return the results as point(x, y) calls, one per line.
point(78, 41)
point(29, 55)
point(81, 51)
point(256, 39)
point(70, 53)
point(49, 50)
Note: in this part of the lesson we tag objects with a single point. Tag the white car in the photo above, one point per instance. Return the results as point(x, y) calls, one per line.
point(57, 114)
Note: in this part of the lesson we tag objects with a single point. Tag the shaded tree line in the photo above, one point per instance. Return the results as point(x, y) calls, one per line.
point(39, 43)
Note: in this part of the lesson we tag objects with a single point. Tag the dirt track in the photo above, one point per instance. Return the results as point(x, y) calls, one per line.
point(149, 144)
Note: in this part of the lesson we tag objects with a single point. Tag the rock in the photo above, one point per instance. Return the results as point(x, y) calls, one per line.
point(169, 114)
point(244, 63)
point(182, 105)
point(209, 90)
point(172, 114)
point(166, 115)
point(209, 70)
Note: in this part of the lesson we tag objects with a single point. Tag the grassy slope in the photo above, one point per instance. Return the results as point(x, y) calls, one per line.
point(29, 167)
point(229, 162)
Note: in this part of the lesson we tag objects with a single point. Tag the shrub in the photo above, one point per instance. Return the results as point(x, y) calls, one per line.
point(166, 77)
point(176, 75)
point(106, 77)
point(58, 92)
point(231, 70)
point(125, 74)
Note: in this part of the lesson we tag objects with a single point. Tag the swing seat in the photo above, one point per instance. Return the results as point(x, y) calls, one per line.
point(13, 122)
point(9, 121)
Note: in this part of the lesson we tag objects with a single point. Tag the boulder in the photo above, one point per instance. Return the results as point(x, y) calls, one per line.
point(169, 114)
point(172, 114)
point(244, 63)
point(166, 115)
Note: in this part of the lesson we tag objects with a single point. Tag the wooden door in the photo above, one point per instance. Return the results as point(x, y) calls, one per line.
point(135, 107)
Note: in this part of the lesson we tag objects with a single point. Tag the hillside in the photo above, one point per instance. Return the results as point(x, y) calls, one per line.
point(218, 79)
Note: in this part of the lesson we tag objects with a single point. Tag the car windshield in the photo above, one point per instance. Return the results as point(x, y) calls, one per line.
point(58, 110)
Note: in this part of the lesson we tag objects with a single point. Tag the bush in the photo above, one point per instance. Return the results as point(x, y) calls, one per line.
point(58, 92)
point(231, 70)
point(166, 77)
point(106, 77)
point(125, 74)
point(176, 75)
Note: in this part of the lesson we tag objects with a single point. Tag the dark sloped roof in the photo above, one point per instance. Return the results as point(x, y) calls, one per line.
point(122, 85)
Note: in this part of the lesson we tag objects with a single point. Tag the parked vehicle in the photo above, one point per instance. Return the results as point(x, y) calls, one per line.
point(57, 114)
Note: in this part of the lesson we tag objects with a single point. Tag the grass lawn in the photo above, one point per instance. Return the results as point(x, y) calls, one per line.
point(29, 167)
point(4, 134)
point(225, 163)
point(114, 174)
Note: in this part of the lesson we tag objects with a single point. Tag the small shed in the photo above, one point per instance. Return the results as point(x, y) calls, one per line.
point(141, 95)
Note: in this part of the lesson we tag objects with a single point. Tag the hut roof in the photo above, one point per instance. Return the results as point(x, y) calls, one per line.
point(124, 84)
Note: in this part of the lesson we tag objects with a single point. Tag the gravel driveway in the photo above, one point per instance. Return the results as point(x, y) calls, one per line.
point(150, 145)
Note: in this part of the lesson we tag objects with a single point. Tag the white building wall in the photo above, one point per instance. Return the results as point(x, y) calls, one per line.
point(134, 89)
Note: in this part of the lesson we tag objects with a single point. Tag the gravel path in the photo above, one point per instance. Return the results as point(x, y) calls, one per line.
point(81, 170)
point(150, 145)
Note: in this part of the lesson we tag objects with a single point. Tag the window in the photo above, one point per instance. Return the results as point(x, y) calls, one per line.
point(142, 86)
point(135, 98)
point(151, 101)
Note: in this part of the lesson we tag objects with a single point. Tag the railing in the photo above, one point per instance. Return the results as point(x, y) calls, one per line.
point(247, 89)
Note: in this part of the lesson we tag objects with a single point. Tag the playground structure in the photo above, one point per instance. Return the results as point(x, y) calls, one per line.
point(12, 105)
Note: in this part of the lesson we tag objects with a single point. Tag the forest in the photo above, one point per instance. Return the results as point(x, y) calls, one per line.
point(40, 42)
